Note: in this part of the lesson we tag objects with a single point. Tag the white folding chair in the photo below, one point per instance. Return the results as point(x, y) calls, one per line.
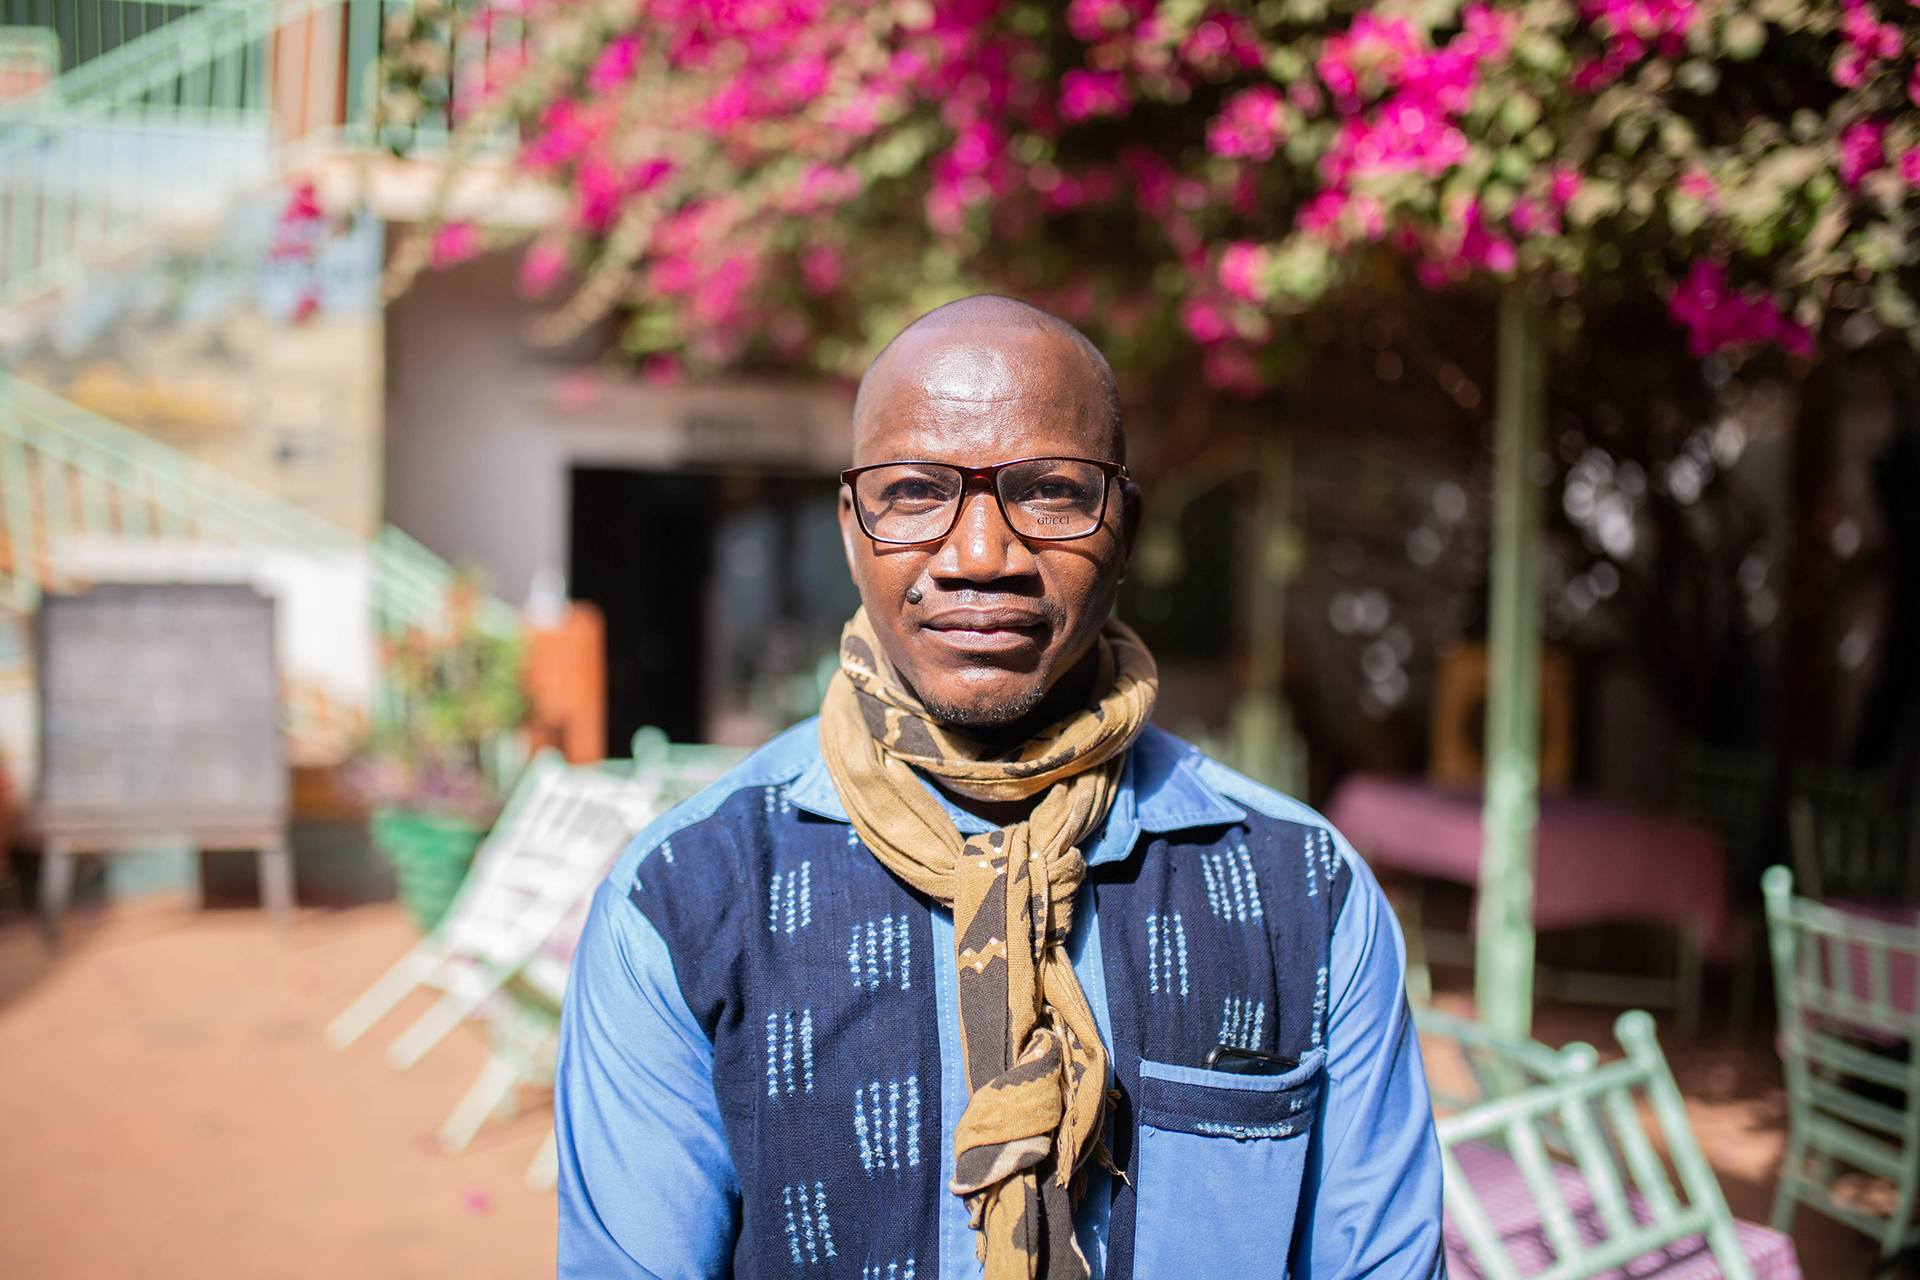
point(522, 1012)
point(560, 830)
point(523, 1028)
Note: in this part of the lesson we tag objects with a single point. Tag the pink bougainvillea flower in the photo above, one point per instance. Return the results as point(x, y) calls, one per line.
point(1697, 184)
point(303, 204)
point(1241, 265)
point(1368, 56)
point(456, 242)
point(1205, 321)
point(1481, 248)
point(1862, 150)
point(1910, 166)
point(306, 308)
point(1533, 218)
point(663, 370)
point(1250, 125)
point(1322, 215)
point(1085, 94)
point(615, 64)
point(541, 268)
point(820, 266)
point(1565, 185)
point(1232, 368)
point(1152, 180)
point(1718, 317)
point(1638, 27)
point(565, 131)
point(1092, 20)
point(1220, 45)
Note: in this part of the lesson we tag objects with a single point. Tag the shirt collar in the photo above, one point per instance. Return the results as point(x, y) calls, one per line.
point(1159, 792)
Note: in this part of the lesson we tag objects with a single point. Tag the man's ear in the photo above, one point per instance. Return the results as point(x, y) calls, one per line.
point(849, 530)
point(1132, 512)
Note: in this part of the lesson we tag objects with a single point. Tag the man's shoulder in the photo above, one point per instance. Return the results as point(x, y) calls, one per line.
point(698, 821)
point(1160, 754)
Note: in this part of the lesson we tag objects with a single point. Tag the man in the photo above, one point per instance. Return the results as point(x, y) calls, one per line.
point(979, 973)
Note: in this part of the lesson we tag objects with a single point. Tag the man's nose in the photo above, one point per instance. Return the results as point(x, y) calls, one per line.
point(982, 547)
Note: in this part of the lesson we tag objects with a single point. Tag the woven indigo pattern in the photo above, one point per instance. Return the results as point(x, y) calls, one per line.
point(798, 954)
point(806, 963)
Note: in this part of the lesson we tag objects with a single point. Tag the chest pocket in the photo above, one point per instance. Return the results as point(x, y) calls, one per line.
point(1221, 1160)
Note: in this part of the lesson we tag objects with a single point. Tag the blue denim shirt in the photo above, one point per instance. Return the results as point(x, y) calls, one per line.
point(647, 1181)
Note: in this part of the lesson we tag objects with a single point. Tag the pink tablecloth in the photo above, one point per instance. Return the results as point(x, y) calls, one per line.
point(1594, 863)
point(1503, 1193)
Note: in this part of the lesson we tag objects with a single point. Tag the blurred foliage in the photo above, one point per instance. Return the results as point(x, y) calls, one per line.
point(455, 693)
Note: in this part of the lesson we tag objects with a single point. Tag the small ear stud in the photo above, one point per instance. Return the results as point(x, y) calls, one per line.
point(914, 596)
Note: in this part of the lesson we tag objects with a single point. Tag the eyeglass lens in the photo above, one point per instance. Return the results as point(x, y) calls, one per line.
point(1047, 498)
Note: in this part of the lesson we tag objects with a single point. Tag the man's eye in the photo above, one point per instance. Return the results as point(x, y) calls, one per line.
point(1053, 490)
point(914, 492)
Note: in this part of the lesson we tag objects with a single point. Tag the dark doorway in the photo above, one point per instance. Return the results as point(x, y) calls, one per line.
point(641, 547)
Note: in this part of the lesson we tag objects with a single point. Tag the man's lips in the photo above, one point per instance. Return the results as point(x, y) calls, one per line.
point(985, 630)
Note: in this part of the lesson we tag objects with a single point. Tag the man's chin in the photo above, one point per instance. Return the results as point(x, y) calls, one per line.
point(974, 711)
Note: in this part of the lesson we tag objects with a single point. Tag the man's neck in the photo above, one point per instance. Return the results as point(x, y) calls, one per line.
point(1068, 694)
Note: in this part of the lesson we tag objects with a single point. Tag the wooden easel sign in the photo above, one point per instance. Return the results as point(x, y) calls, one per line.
point(160, 724)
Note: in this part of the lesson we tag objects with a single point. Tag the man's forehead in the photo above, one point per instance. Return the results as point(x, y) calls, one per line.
point(959, 375)
point(975, 371)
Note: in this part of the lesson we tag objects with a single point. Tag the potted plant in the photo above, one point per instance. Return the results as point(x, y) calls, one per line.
point(434, 773)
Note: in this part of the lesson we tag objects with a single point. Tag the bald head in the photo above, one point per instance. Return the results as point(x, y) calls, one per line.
point(989, 348)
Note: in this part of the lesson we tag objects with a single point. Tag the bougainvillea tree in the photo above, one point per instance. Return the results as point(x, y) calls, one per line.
point(791, 180)
point(750, 176)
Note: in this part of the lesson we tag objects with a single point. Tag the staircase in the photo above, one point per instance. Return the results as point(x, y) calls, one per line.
point(202, 104)
point(78, 492)
point(168, 127)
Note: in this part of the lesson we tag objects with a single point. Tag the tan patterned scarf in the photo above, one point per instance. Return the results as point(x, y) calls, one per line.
point(1036, 1070)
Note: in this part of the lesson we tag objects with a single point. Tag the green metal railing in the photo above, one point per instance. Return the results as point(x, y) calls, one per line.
point(82, 30)
point(68, 476)
point(165, 113)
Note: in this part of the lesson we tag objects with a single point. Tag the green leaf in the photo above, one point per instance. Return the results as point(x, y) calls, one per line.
point(1743, 36)
point(1302, 268)
point(1893, 306)
point(1540, 51)
point(1697, 75)
point(1596, 199)
point(1685, 214)
point(1519, 112)
point(1677, 137)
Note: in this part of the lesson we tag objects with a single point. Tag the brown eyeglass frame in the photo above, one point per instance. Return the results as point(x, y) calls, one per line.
point(969, 476)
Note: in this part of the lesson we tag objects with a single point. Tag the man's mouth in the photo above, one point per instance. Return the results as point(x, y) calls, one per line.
point(990, 630)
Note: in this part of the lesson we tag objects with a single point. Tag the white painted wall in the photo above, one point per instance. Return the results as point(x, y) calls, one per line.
point(482, 426)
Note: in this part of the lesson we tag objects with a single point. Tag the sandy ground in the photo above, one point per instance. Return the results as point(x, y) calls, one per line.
point(167, 1109)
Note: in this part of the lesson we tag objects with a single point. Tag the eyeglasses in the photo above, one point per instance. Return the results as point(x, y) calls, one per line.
point(1051, 499)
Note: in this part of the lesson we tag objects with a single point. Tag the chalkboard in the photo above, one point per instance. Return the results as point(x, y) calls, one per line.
point(159, 706)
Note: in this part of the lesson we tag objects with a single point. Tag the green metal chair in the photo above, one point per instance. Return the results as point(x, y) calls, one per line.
point(1848, 840)
point(1514, 1209)
point(1850, 1042)
point(1497, 1064)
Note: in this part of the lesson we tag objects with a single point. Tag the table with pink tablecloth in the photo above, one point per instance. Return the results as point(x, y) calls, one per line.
point(1595, 862)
